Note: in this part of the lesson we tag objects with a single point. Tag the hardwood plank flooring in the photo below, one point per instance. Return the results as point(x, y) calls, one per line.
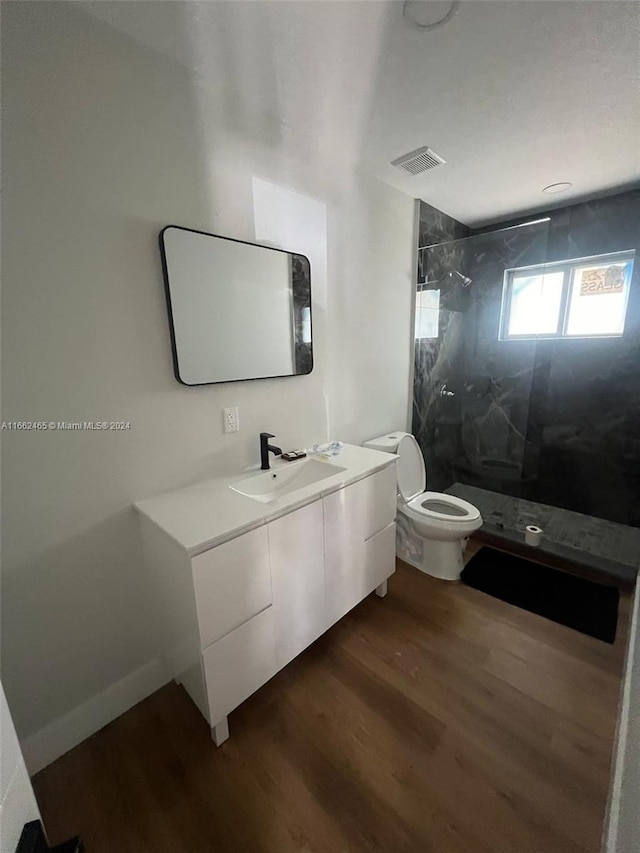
point(436, 720)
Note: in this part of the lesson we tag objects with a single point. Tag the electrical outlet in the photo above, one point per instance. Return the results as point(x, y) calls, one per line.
point(230, 419)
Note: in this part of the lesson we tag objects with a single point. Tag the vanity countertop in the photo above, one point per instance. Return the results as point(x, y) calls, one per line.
point(203, 515)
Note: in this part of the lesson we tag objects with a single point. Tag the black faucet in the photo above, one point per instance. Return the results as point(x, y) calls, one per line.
point(265, 447)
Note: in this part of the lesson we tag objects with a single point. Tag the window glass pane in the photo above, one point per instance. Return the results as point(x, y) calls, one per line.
point(427, 313)
point(535, 304)
point(598, 300)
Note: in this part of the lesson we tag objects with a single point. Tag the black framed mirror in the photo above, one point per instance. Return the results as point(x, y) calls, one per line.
point(237, 310)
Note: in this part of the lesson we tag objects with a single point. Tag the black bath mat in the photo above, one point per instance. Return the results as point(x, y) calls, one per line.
point(583, 605)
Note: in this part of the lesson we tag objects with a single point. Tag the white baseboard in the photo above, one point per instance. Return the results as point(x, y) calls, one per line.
point(61, 735)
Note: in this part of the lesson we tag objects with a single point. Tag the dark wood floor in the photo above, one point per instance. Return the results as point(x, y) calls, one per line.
point(437, 720)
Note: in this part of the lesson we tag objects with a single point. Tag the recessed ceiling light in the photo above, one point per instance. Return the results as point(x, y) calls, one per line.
point(427, 15)
point(561, 187)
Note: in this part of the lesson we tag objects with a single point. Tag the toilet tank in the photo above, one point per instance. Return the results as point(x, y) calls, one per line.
point(387, 443)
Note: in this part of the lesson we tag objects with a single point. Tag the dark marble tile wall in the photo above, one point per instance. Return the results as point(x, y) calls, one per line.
point(436, 227)
point(549, 421)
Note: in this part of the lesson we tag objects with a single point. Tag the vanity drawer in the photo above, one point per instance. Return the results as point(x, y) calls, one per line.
point(238, 664)
point(380, 557)
point(232, 583)
point(378, 501)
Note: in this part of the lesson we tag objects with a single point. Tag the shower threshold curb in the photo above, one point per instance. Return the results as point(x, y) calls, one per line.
point(604, 551)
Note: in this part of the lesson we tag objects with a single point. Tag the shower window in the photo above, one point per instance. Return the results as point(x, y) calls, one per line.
point(534, 303)
point(586, 297)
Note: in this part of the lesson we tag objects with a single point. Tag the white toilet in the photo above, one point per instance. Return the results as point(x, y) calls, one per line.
point(432, 528)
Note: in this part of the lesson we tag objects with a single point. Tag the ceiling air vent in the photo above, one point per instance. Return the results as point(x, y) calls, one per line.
point(418, 161)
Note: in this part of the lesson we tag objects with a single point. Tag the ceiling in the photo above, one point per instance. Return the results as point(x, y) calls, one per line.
point(514, 94)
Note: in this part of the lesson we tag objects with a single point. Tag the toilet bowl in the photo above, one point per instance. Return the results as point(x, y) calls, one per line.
point(432, 527)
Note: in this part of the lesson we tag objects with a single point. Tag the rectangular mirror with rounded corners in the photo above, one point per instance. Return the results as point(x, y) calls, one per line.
point(237, 310)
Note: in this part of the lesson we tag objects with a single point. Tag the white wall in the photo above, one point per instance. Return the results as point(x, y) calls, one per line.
point(17, 802)
point(105, 142)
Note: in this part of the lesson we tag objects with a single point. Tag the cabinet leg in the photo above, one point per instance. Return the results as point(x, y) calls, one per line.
point(220, 732)
point(382, 589)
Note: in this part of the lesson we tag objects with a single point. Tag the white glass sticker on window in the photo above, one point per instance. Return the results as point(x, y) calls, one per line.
point(598, 299)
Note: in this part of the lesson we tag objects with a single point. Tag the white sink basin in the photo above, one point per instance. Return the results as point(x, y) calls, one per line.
point(270, 485)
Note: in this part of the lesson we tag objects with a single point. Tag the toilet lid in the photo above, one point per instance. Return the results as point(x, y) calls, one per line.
point(412, 477)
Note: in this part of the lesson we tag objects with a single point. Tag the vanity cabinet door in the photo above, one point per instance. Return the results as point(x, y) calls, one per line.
point(354, 517)
point(296, 547)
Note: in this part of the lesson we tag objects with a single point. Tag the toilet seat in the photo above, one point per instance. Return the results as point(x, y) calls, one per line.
point(441, 507)
point(431, 509)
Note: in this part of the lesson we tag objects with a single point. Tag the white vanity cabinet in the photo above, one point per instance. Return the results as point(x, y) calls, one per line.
point(233, 615)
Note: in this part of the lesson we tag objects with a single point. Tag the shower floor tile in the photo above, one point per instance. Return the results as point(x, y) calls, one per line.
point(606, 547)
